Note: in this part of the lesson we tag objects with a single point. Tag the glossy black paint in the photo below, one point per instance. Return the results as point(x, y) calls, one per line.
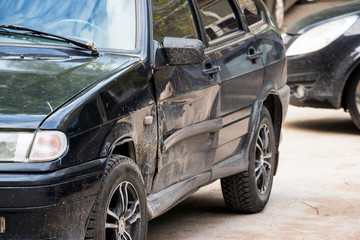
point(36, 88)
point(326, 72)
point(204, 116)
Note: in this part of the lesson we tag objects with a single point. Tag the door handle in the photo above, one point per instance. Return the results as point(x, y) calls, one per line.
point(212, 70)
point(253, 56)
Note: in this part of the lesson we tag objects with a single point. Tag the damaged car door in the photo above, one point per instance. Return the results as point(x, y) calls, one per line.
point(188, 100)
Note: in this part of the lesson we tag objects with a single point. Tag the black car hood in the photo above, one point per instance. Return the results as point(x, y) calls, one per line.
point(302, 24)
point(33, 87)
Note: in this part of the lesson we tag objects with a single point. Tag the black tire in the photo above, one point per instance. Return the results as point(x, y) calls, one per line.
point(353, 100)
point(249, 191)
point(121, 186)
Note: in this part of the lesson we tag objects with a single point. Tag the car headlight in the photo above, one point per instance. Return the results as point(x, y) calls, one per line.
point(14, 146)
point(30, 147)
point(320, 36)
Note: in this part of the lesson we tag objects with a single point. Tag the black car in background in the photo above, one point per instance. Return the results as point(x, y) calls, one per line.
point(323, 52)
point(112, 112)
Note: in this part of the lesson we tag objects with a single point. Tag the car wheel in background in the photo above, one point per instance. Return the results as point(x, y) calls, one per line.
point(119, 211)
point(249, 191)
point(278, 13)
point(353, 100)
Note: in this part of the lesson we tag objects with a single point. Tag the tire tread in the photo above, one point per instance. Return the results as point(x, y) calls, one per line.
point(111, 164)
point(239, 190)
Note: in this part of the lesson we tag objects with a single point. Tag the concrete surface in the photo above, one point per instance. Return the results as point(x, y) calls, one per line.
point(316, 193)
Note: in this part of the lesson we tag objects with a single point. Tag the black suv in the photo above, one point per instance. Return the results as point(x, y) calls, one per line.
point(112, 112)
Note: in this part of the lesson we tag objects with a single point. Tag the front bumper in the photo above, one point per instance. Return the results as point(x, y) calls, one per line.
point(321, 76)
point(313, 75)
point(309, 89)
point(57, 208)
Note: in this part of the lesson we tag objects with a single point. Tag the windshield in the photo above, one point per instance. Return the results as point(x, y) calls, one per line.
point(106, 23)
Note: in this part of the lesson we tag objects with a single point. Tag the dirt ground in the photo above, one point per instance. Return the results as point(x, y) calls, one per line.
point(316, 193)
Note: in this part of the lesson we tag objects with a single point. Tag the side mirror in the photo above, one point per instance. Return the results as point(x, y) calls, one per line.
point(180, 51)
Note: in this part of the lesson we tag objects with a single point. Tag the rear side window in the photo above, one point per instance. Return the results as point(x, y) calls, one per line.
point(173, 19)
point(250, 11)
point(218, 18)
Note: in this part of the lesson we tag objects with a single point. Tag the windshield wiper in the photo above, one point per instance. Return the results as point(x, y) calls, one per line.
point(89, 46)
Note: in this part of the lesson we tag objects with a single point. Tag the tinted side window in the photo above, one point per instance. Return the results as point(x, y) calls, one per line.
point(250, 11)
point(218, 18)
point(173, 19)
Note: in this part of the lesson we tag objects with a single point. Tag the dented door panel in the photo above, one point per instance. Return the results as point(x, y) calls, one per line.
point(188, 112)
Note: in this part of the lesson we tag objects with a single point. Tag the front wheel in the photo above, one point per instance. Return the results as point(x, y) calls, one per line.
point(353, 100)
point(249, 191)
point(119, 212)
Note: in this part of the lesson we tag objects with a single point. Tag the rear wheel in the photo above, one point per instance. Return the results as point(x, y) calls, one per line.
point(249, 191)
point(119, 212)
point(353, 100)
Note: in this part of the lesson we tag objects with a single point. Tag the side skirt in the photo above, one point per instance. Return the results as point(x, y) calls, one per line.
point(160, 202)
point(229, 167)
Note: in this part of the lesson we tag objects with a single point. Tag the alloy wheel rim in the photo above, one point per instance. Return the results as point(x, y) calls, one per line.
point(279, 12)
point(357, 97)
point(123, 213)
point(263, 156)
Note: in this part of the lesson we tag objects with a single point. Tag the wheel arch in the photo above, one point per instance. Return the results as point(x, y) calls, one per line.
point(125, 147)
point(273, 104)
point(355, 70)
